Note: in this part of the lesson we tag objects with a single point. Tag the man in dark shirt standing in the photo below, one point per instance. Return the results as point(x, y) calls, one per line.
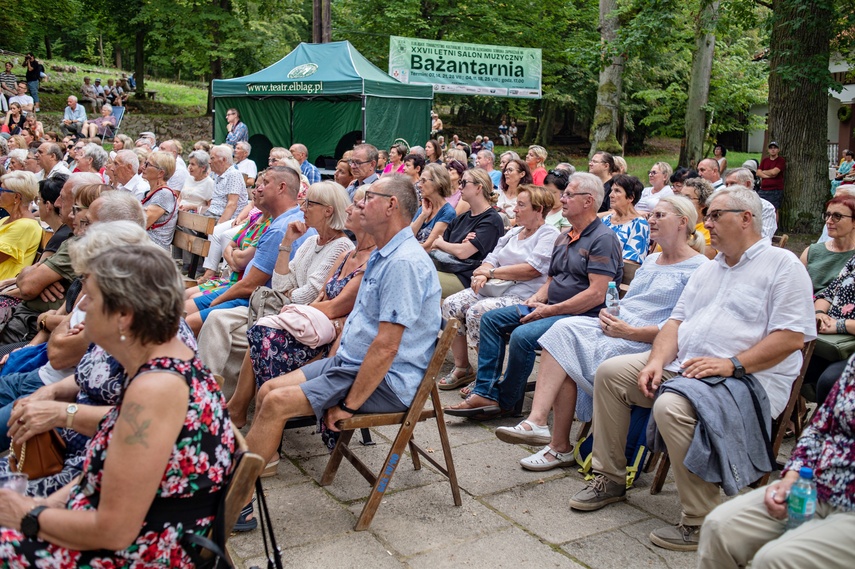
point(34, 75)
point(771, 174)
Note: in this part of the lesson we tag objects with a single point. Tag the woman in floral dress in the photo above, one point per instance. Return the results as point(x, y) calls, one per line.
point(156, 469)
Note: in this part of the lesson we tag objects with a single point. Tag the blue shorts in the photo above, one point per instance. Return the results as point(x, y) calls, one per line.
point(203, 303)
point(328, 382)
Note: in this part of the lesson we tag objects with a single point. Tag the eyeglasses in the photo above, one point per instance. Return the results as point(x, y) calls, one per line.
point(677, 185)
point(569, 195)
point(596, 162)
point(652, 173)
point(835, 216)
point(5, 191)
point(558, 173)
point(423, 180)
point(78, 208)
point(462, 182)
point(716, 213)
point(357, 162)
point(147, 164)
point(307, 203)
point(661, 214)
point(369, 195)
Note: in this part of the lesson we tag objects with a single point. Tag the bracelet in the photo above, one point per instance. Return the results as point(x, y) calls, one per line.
point(841, 326)
point(820, 312)
point(285, 248)
point(345, 408)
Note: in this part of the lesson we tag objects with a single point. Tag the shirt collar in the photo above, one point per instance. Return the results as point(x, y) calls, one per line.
point(399, 239)
point(749, 253)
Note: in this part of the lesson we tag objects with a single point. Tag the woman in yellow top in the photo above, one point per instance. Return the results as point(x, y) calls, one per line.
point(20, 233)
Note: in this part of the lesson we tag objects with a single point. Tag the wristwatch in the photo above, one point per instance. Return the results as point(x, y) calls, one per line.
point(42, 325)
point(345, 408)
point(70, 411)
point(30, 522)
point(738, 370)
point(492, 272)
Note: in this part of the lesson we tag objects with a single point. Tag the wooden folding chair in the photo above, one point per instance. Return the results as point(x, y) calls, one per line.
point(240, 487)
point(779, 426)
point(408, 421)
point(780, 240)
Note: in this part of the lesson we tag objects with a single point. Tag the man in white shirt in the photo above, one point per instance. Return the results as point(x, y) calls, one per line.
point(22, 98)
point(126, 166)
point(244, 165)
point(49, 155)
point(709, 171)
point(176, 182)
point(745, 177)
point(747, 312)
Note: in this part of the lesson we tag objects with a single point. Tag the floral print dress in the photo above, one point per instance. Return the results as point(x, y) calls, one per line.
point(275, 352)
point(186, 499)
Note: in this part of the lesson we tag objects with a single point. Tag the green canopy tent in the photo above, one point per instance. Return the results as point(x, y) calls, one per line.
point(324, 96)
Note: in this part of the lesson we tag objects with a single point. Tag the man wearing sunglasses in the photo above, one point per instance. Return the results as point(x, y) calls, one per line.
point(363, 163)
point(749, 311)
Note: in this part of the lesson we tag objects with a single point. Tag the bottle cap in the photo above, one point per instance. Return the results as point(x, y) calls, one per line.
point(806, 472)
point(612, 284)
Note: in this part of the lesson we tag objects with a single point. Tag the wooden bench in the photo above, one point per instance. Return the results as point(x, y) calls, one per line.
point(191, 235)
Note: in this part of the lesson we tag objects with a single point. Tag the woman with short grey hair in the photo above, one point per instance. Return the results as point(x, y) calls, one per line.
point(198, 186)
point(92, 159)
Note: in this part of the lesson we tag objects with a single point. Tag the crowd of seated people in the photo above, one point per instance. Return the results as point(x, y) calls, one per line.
point(373, 264)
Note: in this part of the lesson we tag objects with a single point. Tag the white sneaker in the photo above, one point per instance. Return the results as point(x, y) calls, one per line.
point(535, 434)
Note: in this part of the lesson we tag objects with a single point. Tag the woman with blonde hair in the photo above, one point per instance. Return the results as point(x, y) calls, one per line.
point(535, 159)
point(574, 347)
point(20, 233)
point(659, 176)
point(160, 202)
point(455, 254)
point(435, 213)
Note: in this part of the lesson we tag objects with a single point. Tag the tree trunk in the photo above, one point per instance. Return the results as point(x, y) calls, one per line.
point(605, 125)
point(118, 57)
point(798, 104)
point(692, 147)
point(139, 62)
point(547, 124)
point(101, 48)
point(48, 48)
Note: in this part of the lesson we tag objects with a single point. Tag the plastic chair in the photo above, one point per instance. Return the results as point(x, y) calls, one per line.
point(119, 113)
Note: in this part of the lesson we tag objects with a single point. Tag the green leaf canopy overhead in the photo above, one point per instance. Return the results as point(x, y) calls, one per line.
point(324, 96)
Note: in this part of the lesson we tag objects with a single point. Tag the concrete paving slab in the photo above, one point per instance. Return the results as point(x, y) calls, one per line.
point(350, 485)
point(509, 548)
point(543, 510)
point(490, 467)
point(301, 514)
point(423, 519)
point(614, 550)
point(353, 549)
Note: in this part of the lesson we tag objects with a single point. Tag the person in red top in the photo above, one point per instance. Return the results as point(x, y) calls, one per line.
point(771, 174)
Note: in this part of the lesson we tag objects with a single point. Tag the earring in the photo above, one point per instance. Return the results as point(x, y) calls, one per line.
point(122, 337)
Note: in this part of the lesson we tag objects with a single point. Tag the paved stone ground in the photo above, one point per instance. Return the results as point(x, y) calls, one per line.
point(509, 518)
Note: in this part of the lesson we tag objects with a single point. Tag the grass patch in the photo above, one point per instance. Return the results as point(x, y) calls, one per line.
point(185, 98)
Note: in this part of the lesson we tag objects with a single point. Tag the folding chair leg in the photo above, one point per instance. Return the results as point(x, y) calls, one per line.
point(366, 438)
point(446, 446)
point(414, 454)
point(385, 476)
point(661, 474)
point(335, 458)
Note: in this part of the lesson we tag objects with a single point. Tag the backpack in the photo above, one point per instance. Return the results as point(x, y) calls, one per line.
point(637, 451)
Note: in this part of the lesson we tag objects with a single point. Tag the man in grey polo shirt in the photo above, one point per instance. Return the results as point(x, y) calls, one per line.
point(584, 261)
point(387, 341)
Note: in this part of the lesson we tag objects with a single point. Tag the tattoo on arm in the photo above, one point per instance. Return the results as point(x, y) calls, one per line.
point(131, 414)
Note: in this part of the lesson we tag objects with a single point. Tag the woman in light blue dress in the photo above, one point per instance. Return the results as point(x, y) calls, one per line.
point(574, 347)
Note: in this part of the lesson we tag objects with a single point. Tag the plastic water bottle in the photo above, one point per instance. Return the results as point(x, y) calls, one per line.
point(801, 504)
point(613, 300)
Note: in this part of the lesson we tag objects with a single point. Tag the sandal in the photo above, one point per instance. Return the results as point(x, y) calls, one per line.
point(539, 463)
point(535, 434)
point(244, 524)
point(467, 391)
point(452, 381)
point(271, 469)
point(468, 408)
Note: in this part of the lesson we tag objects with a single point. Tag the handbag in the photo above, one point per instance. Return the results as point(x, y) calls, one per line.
point(448, 263)
point(265, 301)
point(43, 455)
point(496, 287)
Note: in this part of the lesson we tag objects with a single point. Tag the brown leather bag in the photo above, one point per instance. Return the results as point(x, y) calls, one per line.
point(43, 455)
